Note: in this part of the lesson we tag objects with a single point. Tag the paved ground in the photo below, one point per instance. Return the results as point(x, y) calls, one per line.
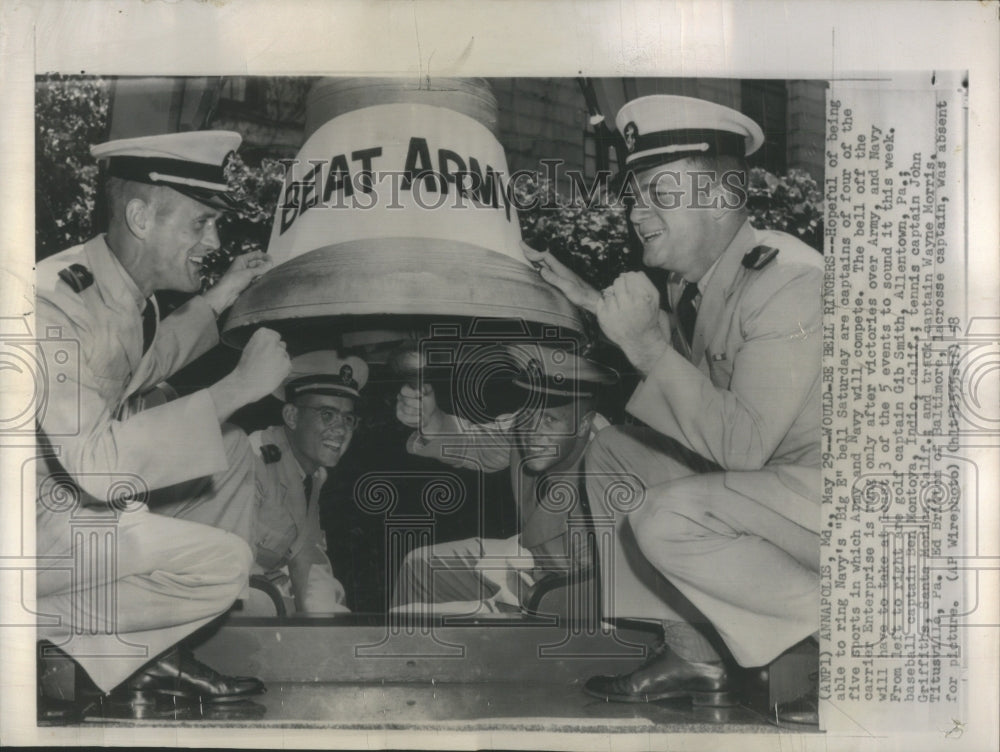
point(466, 706)
point(448, 678)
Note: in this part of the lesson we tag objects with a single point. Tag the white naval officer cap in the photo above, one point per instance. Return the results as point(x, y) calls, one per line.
point(559, 375)
point(323, 372)
point(191, 163)
point(663, 128)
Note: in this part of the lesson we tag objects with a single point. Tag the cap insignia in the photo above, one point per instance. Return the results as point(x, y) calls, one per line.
point(347, 377)
point(631, 133)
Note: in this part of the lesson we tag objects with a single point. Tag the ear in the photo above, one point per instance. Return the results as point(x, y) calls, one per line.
point(720, 201)
point(290, 414)
point(139, 216)
point(585, 423)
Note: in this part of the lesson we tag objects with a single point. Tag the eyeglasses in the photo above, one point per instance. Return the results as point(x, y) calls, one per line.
point(330, 416)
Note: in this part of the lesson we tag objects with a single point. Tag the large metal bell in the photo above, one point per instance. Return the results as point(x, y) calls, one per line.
point(398, 213)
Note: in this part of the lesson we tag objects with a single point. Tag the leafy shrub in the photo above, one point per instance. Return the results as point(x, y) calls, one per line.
point(792, 203)
point(71, 113)
point(249, 228)
point(593, 241)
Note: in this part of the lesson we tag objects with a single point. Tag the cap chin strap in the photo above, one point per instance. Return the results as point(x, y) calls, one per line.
point(156, 177)
point(697, 140)
point(674, 149)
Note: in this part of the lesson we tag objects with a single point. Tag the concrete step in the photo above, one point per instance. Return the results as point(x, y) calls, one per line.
point(358, 671)
point(483, 707)
point(445, 649)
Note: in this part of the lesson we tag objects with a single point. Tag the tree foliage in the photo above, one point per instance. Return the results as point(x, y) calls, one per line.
point(248, 228)
point(71, 113)
point(593, 239)
point(792, 203)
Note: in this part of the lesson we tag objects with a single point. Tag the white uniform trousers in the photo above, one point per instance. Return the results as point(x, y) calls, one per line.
point(748, 570)
point(471, 575)
point(134, 587)
point(226, 500)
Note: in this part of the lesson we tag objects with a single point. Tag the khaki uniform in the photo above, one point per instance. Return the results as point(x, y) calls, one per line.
point(287, 530)
point(740, 543)
point(287, 522)
point(117, 587)
point(467, 570)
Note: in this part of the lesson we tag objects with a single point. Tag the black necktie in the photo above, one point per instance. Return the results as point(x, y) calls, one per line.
point(686, 311)
point(148, 325)
point(307, 486)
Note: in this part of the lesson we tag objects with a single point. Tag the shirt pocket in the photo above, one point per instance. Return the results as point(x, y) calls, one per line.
point(111, 373)
point(720, 368)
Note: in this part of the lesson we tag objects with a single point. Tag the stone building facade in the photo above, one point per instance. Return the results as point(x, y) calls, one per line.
point(548, 118)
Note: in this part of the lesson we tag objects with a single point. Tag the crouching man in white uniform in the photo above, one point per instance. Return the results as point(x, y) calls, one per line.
point(119, 595)
point(729, 459)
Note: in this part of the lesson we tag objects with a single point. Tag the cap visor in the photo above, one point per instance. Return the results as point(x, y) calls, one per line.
point(645, 163)
point(280, 393)
point(215, 199)
point(549, 398)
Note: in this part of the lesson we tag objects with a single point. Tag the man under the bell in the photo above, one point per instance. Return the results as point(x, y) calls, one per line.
point(729, 457)
point(543, 446)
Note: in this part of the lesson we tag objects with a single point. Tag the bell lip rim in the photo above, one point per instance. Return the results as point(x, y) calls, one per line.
point(235, 334)
point(559, 311)
point(553, 329)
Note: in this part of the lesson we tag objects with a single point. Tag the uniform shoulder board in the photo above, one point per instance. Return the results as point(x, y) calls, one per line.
point(759, 257)
point(77, 276)
point(270, 453)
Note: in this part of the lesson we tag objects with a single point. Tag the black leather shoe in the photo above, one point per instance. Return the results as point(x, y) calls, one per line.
point(665, 676)
point(178, 674)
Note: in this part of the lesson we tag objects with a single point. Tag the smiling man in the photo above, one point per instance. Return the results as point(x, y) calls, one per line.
point(102, 457)
point(543, 446)
point(319, 418)
point(729, 457)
